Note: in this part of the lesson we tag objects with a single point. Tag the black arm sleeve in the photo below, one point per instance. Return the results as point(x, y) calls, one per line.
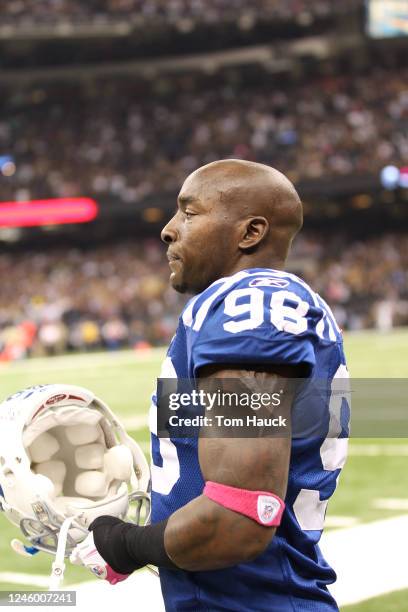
point(127, 547)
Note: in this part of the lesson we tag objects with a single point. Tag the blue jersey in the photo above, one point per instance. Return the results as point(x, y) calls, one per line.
point(259, 316)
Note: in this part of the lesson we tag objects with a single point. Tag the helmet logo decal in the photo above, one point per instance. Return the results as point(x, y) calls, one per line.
point(55, 399)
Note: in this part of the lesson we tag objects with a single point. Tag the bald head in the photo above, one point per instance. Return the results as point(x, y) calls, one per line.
point(246, 188)
point(232, 215)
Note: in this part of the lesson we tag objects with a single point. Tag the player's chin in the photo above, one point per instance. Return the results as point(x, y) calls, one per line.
point(177, 283)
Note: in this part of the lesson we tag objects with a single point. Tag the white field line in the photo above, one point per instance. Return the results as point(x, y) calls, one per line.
point(133, 423)
point(377, 450)
point(391, 503)
point(27, 579)
point(82, 360)
point(139, 592)
point(340, 521)
point(370, 560)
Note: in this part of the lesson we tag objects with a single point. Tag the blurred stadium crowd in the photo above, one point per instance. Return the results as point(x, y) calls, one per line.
point(122, 139)
point(27, 12)
point(119, 296)
point(143, 137)
point(109, 297)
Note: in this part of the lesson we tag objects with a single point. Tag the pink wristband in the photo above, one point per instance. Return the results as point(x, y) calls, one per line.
point(114, 577)
point(263, 507)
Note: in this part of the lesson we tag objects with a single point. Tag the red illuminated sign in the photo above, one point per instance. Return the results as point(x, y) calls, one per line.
point(57, 211)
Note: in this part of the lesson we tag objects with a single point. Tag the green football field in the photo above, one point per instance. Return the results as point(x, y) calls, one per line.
point(376, 469)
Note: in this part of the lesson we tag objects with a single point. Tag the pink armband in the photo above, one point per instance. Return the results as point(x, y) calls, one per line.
point(263, 507)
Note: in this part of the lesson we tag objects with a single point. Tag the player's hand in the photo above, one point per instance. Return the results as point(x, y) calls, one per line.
point(86, 554)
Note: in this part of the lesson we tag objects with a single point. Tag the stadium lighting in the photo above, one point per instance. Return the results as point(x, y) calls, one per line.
point(390, 177)
point(7, 165)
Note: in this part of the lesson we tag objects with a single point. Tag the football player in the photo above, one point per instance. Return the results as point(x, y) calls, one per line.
point(236, 522)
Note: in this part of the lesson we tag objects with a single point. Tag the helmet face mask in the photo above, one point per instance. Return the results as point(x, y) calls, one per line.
point(44, 536)
point(63, 453)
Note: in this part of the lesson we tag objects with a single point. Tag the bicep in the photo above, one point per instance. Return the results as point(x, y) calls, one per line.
point(256, 464)
point(204, 535)
point(259, 461)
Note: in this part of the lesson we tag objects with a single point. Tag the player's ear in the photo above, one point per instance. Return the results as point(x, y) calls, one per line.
point(254, 231)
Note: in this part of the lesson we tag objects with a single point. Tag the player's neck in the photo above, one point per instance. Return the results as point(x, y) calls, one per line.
point(251, 261)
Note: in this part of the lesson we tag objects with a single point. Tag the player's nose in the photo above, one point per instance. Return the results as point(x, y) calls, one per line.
point(169, 232)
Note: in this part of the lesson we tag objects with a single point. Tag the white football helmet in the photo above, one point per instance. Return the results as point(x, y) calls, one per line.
point(66, 459)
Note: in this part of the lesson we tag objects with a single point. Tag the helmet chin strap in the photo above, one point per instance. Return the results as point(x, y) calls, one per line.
point(58, 566)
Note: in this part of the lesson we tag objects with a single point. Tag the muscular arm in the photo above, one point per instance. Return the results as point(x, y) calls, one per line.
point(204, 535)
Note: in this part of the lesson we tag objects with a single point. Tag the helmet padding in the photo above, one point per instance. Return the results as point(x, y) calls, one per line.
point(55, 471)
point(91, 484)
point(82, 434)
point(89, 456)
point(118, 462)
point(43, 447)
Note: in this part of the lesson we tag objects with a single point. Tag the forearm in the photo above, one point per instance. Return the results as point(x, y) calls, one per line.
point(127, 547)
point(206, 536)
point(200, 536)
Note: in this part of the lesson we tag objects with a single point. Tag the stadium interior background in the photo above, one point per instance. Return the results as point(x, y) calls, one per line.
point(118, 101)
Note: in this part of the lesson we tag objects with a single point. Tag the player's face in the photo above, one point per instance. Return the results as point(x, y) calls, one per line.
point(200, 238)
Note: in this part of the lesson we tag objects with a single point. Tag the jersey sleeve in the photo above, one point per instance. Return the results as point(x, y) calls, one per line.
point(255, 323)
